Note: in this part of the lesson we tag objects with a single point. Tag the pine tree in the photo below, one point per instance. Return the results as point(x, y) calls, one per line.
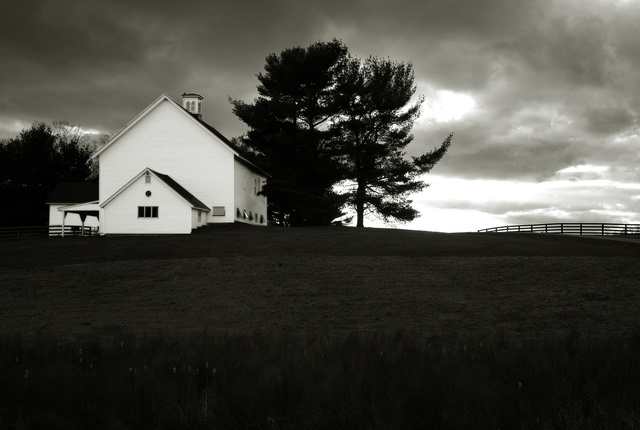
point(377, 116)
point(289, 125)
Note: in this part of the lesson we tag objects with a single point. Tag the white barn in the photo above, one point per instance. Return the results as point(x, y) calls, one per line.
point(167, 171)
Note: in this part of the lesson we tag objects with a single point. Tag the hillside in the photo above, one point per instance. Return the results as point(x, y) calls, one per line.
point(238, 279)
point(240, 240)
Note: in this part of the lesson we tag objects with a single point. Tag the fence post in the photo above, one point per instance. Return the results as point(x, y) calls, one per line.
point(602, 232)
point(580, 229)
point(561, 228)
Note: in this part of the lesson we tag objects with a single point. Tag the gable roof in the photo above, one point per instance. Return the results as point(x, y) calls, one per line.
point(240, 153)
point(169, 182)
point(74, 192)
point(88, 208)
point(182, 192)
point(237, 152)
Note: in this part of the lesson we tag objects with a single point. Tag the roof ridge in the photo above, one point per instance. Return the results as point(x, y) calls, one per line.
point(243, 152)
point(182, 191)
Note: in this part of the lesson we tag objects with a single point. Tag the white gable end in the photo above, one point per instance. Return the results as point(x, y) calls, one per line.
point(169, 140)
point(166, 138)
point(162, 210)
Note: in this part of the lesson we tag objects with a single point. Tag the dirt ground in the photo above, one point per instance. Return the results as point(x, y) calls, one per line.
point(467, 297)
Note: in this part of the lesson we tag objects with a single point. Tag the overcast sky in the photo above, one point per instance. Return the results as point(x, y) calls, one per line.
point(543, 96)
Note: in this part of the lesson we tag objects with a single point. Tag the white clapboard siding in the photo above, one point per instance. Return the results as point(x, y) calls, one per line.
point(248, 184)
point(198, 221)
point(168, 140)
point(120, 215)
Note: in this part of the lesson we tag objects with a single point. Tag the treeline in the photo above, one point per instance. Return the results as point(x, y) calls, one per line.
point(332, 129)
point(34, 162)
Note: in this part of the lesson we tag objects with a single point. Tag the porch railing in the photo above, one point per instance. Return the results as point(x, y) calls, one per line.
point(44, 231)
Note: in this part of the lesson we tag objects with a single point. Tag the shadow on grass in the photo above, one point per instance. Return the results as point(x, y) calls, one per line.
point(241, 240)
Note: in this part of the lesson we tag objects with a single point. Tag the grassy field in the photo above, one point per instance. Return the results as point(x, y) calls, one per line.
point(237, 279)
point(320, 328)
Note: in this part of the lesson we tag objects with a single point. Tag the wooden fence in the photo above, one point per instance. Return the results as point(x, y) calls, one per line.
point(582, 228)
point(44, 231)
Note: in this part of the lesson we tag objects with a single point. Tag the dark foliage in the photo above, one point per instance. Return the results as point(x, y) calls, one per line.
point(375, 127)
point(32, 164)
point(323, 119)
point(288, 124)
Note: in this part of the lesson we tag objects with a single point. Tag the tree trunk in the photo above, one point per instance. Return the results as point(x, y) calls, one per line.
point(360, 198)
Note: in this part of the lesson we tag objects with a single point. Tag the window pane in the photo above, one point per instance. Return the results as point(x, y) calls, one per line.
point(154, 213)
point(140, 211)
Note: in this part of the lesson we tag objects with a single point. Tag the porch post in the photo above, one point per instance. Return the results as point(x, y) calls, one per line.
point(83, 216)
point(64, 215)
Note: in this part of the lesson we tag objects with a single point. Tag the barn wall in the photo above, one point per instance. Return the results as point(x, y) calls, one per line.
point(121, 213)
point(169, 141)
point(194, 218)
point(247, 186)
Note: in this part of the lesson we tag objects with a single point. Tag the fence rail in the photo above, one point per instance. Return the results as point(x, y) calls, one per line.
point(44, 231)
point(72, 230)
point(582, 228)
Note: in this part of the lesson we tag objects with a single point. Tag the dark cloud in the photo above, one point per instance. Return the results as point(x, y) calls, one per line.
point(571, 49)
point(554, 82)
point(608, 119)
point(531, 160)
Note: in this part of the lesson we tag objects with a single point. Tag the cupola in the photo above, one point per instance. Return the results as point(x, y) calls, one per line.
point(192, 102)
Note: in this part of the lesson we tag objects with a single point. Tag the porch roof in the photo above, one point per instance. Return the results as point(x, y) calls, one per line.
point(87, 209)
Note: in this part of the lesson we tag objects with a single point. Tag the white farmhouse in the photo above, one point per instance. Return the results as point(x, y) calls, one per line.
point(167, 171)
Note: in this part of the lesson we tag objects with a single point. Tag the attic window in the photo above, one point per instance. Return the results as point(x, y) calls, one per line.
point(147, 178)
